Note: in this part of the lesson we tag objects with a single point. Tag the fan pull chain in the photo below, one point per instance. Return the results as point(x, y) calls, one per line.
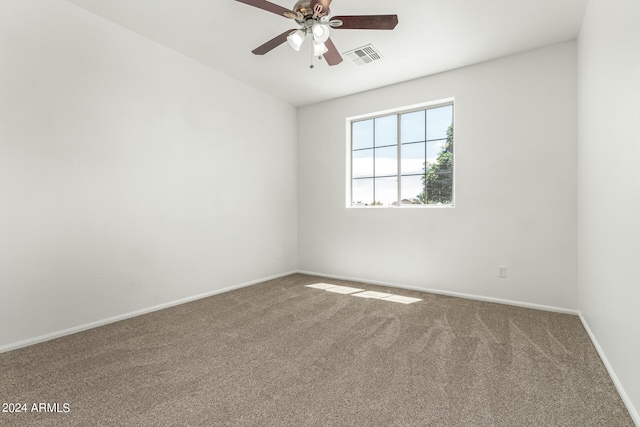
point(312, 58)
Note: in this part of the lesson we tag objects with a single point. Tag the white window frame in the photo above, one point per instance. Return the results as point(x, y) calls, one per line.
point(384, 113)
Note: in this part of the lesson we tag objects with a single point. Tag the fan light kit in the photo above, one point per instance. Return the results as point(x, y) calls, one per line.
point(313, 18)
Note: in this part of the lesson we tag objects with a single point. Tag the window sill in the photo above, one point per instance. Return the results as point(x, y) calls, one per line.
point(403, 207)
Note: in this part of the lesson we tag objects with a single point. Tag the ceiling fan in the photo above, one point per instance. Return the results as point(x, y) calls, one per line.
point(313, 18)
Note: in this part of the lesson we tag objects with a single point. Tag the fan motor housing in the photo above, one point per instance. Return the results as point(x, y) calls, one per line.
point(304, 8)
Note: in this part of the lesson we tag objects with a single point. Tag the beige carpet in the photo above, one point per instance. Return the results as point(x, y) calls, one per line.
point(281, 354)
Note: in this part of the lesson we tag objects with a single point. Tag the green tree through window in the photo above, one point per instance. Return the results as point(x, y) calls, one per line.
point(437, 180)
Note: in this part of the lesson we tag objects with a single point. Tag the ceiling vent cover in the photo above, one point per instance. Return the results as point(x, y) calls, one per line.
point(364, 55)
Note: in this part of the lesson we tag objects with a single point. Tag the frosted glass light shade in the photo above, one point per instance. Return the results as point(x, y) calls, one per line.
point(321, 32)
point(296, 39)
point(319, 49)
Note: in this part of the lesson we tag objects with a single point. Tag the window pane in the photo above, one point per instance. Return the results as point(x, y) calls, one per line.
point(440, 188)
point(434, 148)
point(440, 174)
point(413, 127)
point(438, 120)
point(362, 164)
point(362, 134)
point(387, 161)
point(386, 130)
point(362, 191)
point(413, 157)
point(386, 191)
point(412, 190)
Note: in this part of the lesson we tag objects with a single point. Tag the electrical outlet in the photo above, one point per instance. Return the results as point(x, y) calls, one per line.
point(502, 272)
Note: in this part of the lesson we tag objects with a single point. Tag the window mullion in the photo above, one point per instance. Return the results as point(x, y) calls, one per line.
point(374, 163)
point(426, 164)
point(399, 140)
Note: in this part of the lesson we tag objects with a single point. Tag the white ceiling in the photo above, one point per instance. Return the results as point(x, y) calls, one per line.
point(432, 36)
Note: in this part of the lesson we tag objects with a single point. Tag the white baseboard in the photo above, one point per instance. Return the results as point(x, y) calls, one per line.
point(75, 329)
point(451, 294)
point(623, 394)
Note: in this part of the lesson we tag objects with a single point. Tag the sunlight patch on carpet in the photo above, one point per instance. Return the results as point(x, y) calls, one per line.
point(372, 294)
point(345, 290)
point(335, 288)
point(401, 299)
point(321, 286)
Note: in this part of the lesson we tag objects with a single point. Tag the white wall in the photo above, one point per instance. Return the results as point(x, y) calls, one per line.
point(515, 183)
point(130, 176)
point(609, 184)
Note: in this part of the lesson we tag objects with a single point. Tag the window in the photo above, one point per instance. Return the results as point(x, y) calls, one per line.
point(405, 158)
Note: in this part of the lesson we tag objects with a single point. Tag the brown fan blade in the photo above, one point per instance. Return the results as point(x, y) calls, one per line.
point(332, 56)
point(268, 6)
point(324, 3)
point(271, 44)
point(367, 22)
